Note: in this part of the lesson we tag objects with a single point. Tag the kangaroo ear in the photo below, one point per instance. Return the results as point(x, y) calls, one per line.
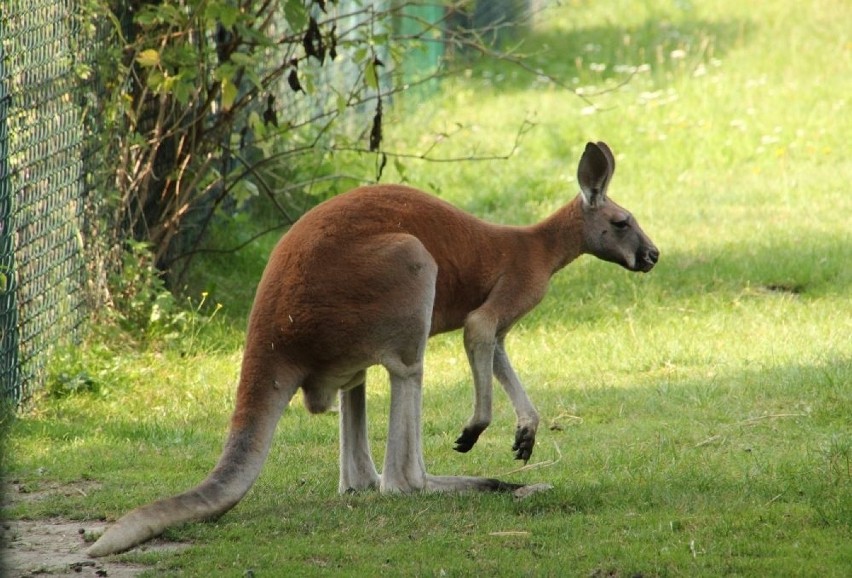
point(594, 173)
point(609, 156)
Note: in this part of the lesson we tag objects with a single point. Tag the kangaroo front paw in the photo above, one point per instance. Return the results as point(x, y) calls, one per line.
point(467, 439)
point(524, 442)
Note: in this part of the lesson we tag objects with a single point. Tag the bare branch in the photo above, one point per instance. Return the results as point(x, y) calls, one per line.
point(182, 153)
point(525, 127)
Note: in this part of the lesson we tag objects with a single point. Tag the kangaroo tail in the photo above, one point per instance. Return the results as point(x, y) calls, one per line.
point(250, 437)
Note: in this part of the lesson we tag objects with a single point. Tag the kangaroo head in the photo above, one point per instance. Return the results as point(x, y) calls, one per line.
point(609, 231)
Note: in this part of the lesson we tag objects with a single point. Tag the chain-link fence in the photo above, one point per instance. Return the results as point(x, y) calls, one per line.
point(59, 235)
point(44, 122)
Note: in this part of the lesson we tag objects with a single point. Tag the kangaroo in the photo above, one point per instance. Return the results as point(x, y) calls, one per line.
point(365, 279)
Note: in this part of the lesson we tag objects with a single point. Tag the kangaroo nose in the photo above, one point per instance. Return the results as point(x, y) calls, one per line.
point(653, 255)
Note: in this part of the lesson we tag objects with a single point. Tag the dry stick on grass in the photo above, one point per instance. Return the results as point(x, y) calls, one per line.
point(544, 464)
point(752, 420)
point(708, 441)
point(749, 421)
point(555, 425)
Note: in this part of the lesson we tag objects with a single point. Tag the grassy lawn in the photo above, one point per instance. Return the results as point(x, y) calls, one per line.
point(696, 421)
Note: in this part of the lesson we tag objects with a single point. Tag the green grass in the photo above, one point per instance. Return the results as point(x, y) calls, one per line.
point(695, 420)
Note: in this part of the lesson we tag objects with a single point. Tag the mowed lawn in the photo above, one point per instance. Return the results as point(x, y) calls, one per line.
point(696, 420)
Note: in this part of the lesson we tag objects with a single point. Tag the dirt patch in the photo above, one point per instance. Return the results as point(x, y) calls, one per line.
point(56, 546)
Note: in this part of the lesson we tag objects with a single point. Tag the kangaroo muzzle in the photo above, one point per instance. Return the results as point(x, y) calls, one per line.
point(646, 259)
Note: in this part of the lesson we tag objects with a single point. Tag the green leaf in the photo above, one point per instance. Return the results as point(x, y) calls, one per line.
point(148, 58)
point(223, 71)
point(183, 55)
point(243, 59)
point(295, 13)
point(155, 81)
point(360, 54)
point(400, 168)
point(147, 16)
point(229, 93)
point(257, 125)
point(225, 13)
point(167, 85)
point(253, 77)
point(371, 76)
point(83, 71)
point(183, 90)
point(253, 36)
point(243, 191)
point(172, 14)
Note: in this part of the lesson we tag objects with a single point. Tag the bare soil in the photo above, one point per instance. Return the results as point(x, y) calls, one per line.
point(56, 546)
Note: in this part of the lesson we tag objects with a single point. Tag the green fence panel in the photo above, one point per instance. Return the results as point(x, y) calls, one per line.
point(42, 188)
point(9, 380)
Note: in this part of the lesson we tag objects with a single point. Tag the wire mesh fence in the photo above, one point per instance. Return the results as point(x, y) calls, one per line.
point(64, 213)
point(43, 185)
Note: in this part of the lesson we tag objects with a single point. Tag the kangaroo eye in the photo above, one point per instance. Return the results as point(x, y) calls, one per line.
point(621, 224)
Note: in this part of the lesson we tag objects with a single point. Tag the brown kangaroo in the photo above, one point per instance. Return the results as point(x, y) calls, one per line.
point(364, 279)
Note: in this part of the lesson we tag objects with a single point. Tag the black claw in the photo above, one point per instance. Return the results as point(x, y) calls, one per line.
point(524, 442)
point(462, 448)
point(467, 440)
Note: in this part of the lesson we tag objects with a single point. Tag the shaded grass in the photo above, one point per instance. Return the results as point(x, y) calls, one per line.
point(695, 421)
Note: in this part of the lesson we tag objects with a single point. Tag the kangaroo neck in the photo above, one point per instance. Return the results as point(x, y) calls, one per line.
point(561, 235)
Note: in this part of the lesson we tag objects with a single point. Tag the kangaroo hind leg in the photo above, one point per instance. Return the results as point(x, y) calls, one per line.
point(411, 301)
point(357, 471)
point(404, 468)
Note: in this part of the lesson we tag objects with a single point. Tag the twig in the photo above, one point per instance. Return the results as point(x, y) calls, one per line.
point(554, 423)
point(708, 441)
point(773, 499)
point(752, 420)
point(525, 127)
point(749, 421)
point(535, 466)
point(421, 512)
